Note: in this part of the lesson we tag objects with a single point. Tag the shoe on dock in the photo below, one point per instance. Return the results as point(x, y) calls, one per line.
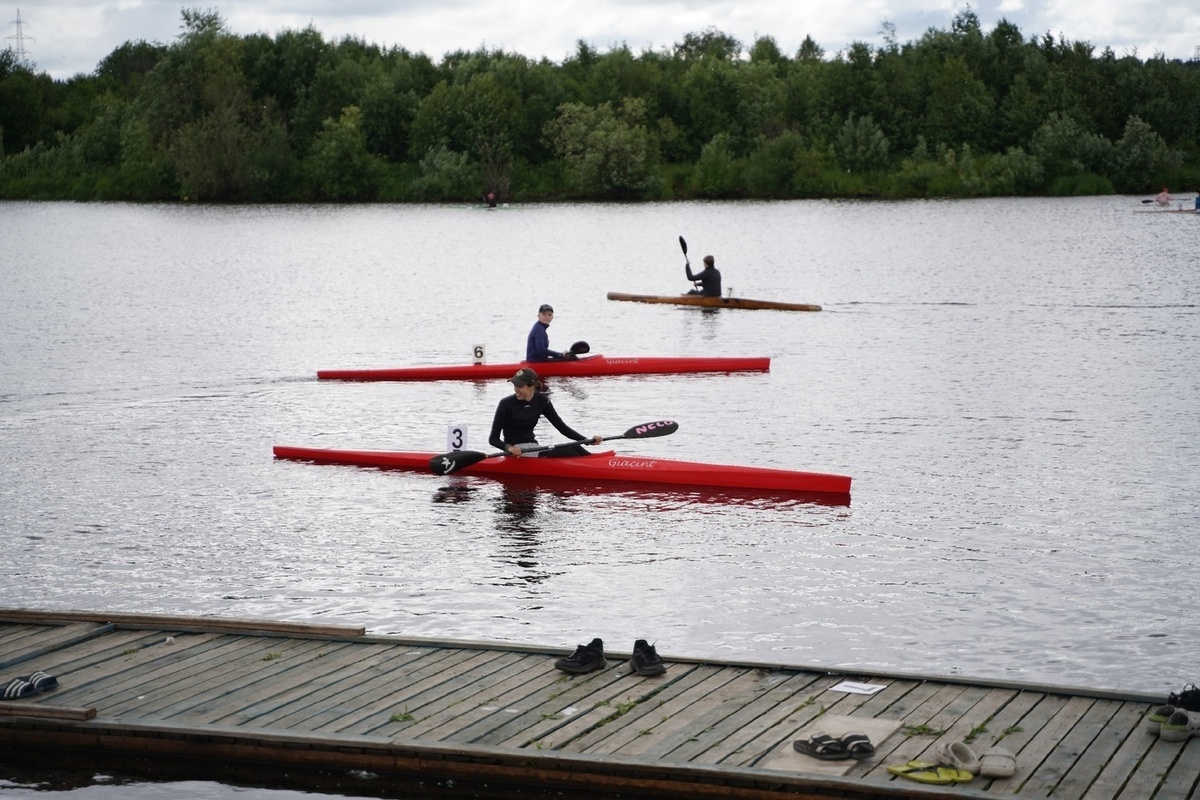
point(1180, 727)
point(586, 658)
point(645, 659)
point(1188, 699)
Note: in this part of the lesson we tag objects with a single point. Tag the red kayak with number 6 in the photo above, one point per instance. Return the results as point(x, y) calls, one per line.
point(583, 366)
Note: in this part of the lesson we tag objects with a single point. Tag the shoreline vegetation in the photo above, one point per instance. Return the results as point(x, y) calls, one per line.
point(964, 112)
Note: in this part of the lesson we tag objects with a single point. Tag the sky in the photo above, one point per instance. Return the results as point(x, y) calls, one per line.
point(69, 37)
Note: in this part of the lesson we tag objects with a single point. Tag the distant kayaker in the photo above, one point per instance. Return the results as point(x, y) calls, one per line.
point(1164, 197)
point(1198, 202)
point(491, 199)
point(517, 415)
point(709, 279)
point(537, 346)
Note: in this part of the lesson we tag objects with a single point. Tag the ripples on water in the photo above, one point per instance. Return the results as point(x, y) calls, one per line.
point(1011, 383)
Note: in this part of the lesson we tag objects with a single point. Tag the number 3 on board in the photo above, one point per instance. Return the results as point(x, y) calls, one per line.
point(456, 437)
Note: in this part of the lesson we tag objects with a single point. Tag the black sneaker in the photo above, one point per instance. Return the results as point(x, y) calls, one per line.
point(645, 660)
point(586, 658)
point(1188, 699)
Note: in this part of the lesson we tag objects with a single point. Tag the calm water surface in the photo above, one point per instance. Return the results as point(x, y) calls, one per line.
point(1012, 384)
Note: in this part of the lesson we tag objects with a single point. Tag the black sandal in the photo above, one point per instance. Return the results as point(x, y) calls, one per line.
point(857, 744)
point(822, 746)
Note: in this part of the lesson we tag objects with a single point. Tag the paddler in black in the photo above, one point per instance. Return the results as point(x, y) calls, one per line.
point(518, 414)
point(709, 279)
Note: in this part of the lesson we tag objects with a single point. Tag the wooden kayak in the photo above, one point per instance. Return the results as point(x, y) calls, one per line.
point(605, 466)
point(583, 366)
point(712, 302)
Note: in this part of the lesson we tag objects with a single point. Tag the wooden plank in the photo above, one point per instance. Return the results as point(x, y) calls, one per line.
point(15, 709)
point(1183, 777)
point(438, 702)
point(305, 702)
point(388, 693)
point(42, 641)
point(202, 690)
point(1123, 719)
point(180, 623)
point(659, 701)
point(784, 706)
point(1135, 747)
point(329, 662)
point(1037, 752)
point(117, 684)
point(1153, 771)
point(501, 698)
point(576, 700)
point(706, 711)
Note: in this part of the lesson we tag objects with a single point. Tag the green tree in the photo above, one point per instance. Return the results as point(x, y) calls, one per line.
point(607, 152)
point(339, 164)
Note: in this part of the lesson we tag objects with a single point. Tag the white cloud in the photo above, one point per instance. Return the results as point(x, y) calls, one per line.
point(73, 36)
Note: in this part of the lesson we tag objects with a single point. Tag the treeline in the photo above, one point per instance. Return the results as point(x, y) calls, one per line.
point(958, 113)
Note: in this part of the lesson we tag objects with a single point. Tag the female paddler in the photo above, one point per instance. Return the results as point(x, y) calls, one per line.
point(518, 414)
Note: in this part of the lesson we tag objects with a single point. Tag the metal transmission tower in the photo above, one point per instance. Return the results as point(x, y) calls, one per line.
point(21, 38)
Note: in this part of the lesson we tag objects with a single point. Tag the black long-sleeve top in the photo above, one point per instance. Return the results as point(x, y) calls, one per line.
point(516, 418)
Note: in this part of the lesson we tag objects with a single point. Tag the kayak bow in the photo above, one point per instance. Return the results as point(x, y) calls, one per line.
point(605, 466)
point(584, 366)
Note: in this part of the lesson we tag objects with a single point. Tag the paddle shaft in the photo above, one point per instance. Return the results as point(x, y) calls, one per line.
point(455, 460)
point(683, 245)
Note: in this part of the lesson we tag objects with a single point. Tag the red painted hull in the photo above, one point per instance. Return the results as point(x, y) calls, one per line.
point(606, 466)
point(584, 366)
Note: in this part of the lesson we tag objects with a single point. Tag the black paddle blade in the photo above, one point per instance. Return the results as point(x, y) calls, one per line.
point(579, 348)
point(648, 430)
point(683, 244)
point(454, 461)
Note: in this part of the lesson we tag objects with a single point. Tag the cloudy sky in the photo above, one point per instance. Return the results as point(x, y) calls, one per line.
point(67, 37)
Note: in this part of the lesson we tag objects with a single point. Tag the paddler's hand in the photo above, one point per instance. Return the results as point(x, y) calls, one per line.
point(513, 450)
point(597, 439)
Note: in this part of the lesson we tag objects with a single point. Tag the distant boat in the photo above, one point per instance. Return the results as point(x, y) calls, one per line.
point(712, 302)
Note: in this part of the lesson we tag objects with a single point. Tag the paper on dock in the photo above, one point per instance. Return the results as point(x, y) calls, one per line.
point(857, 688)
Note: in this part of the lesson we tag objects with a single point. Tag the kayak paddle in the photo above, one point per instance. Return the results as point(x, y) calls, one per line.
point(455, 460)
point(683, 244)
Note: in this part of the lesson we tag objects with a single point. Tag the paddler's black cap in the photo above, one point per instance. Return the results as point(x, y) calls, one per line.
point(544, 307)
point(524, 377)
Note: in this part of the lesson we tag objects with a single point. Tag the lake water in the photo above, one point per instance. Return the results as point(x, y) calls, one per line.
point(1012, 384)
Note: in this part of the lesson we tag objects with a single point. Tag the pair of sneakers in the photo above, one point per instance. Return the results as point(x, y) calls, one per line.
point(590, 657)
point(1179, 718)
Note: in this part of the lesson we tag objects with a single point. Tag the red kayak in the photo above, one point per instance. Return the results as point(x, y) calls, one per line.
point(606, 466)
point(584, 366)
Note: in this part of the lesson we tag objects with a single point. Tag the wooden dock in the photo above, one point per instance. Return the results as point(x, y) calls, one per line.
point(220, 695)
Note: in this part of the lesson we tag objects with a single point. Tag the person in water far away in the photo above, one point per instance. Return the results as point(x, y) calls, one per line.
point(517, 415)
point(709, 279)
point(1164, 197)
point(537, 346)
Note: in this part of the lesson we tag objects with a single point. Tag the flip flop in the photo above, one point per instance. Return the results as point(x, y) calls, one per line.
point(921, 772)
point(857, 744)
point(18, 687)
point(822, 746)
point(927, 772)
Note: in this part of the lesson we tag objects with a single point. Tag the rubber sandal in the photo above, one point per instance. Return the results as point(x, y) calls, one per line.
point(822, 746)
point(958, 755)
point(41, 681)
point(1158, 716)
point(857, 744)
point(18, 687)
point(997, 763)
